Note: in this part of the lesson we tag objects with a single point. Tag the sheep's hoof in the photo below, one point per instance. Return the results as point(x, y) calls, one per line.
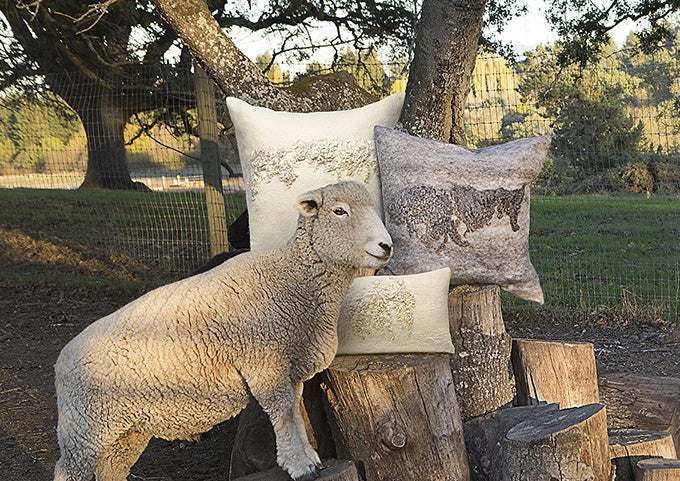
point(310, 475)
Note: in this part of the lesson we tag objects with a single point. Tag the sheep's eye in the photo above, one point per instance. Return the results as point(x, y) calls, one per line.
point(339, 211)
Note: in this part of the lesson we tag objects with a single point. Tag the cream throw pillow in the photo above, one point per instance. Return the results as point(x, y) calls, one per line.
point(450, 206)
point(396, 314)
point(286, 154)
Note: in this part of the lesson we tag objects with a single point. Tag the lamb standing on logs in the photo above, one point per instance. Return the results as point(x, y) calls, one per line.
point(186, 356)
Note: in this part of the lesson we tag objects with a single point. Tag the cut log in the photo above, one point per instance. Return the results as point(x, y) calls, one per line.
point(397, 416)
point(481, 362)
point(484, 434)
point(567, 445)
point(554, 372)
point(333, 470)
point(642, 402)
point(658, 470)
point(628, 446)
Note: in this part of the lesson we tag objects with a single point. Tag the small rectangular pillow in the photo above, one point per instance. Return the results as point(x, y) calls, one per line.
point(450, 206)
point(396, 314)
point(285, 154)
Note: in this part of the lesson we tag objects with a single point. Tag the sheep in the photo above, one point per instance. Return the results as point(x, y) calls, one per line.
point(187, 356)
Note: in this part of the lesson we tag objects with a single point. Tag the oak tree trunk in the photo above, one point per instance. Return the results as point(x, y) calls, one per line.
point(439, 76)
point(481, 361)
point(397, 416)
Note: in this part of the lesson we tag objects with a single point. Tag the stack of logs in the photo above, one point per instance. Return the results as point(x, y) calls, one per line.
point(463, 417)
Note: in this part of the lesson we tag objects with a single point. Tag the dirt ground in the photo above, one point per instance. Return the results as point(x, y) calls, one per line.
point(36, 322)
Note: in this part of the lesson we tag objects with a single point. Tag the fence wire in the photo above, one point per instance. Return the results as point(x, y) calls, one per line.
point(605, 209)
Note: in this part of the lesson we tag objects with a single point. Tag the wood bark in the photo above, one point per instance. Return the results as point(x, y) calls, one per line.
point(237, 76)
point(554, 372)
point(484, 435)
point(333, 470)
point(658, 470)
point(628, 446)
point(439, 76)
point(567, 445)
point(481, 361)
point(397, 416)
point(642, 402)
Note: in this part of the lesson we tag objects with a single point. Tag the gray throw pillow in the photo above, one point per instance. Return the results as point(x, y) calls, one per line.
point(450, 206)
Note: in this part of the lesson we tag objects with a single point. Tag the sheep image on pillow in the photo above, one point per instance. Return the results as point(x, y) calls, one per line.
point(449, 206)
point(396, 314)
point(285, 154)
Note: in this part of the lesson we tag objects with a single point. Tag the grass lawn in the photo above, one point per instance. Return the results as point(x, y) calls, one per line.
point(81, 237)
point(613, 254)
point(608, 252)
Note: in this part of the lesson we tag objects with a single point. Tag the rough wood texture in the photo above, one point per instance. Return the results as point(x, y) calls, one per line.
point(642, 402)
point(396, 415)
point(484, 434)
point(658, 470)
point(254, 448)
point(480, 364)
point(334, 470)
point(566, 445)
point(554, 372)
point(628, 446)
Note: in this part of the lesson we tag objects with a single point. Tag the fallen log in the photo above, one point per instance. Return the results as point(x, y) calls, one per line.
point(397, 415)
point(628, 446)
point(642, 402)
point(554, 372)
point(480, 363)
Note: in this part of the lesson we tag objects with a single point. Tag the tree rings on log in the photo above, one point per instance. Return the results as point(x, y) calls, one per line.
point(554, 372)
point(481, 361)
point(628, 446)
point(656, 469)
point(566, 445)
point(396, 416)
point(333, 470)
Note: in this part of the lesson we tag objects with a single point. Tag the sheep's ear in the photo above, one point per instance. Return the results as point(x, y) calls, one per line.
point(309, 203)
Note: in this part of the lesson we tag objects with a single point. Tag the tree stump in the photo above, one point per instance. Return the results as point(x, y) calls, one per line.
point(481, 362)
point(656, 469)
point(484, 435)
point(333, 470)
point(554, 372)
point(628, 446)
point(642, 402)
point(397, 416)
point(566, 445)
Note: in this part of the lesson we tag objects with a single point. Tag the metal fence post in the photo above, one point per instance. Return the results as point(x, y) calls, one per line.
point(212, 176)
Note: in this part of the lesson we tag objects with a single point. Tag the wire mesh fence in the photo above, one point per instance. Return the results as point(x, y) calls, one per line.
point(605, 209)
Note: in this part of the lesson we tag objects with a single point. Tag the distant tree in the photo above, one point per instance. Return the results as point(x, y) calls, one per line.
point(271, 69)
point(366, 68)
point(592, 130)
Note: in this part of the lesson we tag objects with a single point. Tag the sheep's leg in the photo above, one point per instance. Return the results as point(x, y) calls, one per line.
point(120, 456)
point(78, 458)
point(302, 432)
point(67, 469)
point(279, 402)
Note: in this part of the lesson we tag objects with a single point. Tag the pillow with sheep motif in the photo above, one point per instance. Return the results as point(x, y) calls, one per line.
point(396, 314)
point(450, 206)
point(285, 154)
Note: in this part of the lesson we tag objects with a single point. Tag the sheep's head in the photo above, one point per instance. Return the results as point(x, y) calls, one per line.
point(345, 226)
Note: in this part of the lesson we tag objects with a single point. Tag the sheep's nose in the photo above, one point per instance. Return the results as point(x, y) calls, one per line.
point(386, 247)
